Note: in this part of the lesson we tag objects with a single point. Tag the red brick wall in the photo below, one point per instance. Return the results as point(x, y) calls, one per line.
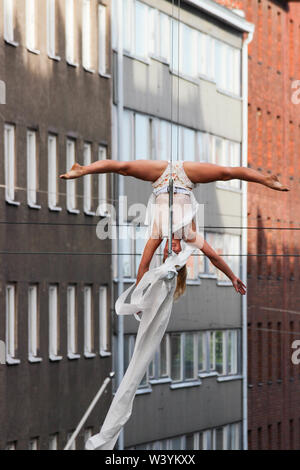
point(273, 282)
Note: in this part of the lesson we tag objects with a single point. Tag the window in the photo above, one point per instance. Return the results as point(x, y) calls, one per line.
point(31, 25)
point(86, 34)
point(70, 44)
point(72, 322)
point(220, 353)
point(10, 163)
point(33, 444)
point(228, 68)
point(102, 185)
point(102, 60)
point(51, 29)
point(232, 343)
point(142, 137)
point(87, 180)
point(188, 42)
point(88, 432)
point(53, 442)
point(53, 324)
point(104, 321)
point(11, 325)
point(206, 65)
point(88, 323)
point(71, 184)
point(33, 324)
point(52, 173)
point(141, 30)
point(128, 133)
point(201, 352)
point(176, 364)
point(160, 35)
point(11, 445)
point(32, 171)
point(9, 21)
point(226, 245)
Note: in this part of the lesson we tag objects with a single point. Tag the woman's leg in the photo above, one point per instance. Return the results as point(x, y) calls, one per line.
point(208, 172)
point(147, 170)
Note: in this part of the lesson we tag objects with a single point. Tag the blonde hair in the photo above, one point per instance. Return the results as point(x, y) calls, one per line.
point(181, 282)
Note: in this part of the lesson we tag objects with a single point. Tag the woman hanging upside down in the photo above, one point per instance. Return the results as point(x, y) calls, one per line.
point(185, 175)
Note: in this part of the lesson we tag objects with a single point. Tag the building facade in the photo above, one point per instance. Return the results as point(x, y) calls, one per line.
point(193, 394)
point(55, 296)
point(273, 300)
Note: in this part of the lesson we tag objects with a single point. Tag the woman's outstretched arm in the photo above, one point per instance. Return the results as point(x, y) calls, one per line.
point(149, 250)
point(220, 264)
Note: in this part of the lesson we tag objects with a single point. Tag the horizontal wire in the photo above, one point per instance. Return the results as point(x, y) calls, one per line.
point(67, 253)
point(5, 222)
point(81, 196)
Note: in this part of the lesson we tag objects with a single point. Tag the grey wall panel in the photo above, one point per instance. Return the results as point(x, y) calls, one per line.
point(176, 412)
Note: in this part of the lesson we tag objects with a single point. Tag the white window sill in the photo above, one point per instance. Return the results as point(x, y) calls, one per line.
point(228, 378)
point(55, 208)
point(88, 69)
point(11, 202)
point(11, 42)
point(34, 51)
point(91, 213)
point(72, 64)
point(138, 58)
point(143, 391)
point(202, 76)
point(229, 94)
point(224, 283)
point(193, 282)
point(73, 211)
point(204, 375)
point(54, 57)
point(89, 355)
point(160, 381)
point(192, 383)
point(34, 359)
point(104, 75)
point(34, 206)
point(73, 356)
point(160, 59)
point(208, 276)
point(12, 361)
point(228, 188)
point(193, 80)
point(55, 358)
point(104, 353)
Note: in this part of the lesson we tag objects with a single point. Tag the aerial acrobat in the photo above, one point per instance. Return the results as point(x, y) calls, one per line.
point(154, 291)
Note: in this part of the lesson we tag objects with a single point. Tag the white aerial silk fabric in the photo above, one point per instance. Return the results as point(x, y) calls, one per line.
point(153, 296)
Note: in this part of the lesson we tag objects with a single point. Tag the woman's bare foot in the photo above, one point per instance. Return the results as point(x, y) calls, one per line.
point(75, 172)
point(273, 182)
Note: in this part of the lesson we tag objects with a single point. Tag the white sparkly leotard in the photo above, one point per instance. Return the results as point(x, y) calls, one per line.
point(185, 206)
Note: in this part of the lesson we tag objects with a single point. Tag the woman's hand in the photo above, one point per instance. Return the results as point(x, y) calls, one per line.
point(239, 285)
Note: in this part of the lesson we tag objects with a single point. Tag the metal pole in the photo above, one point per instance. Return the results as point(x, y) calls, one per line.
point(88, 411)
point(120, 106)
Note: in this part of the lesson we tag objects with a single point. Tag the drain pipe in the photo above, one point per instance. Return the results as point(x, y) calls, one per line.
point(244, 247)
